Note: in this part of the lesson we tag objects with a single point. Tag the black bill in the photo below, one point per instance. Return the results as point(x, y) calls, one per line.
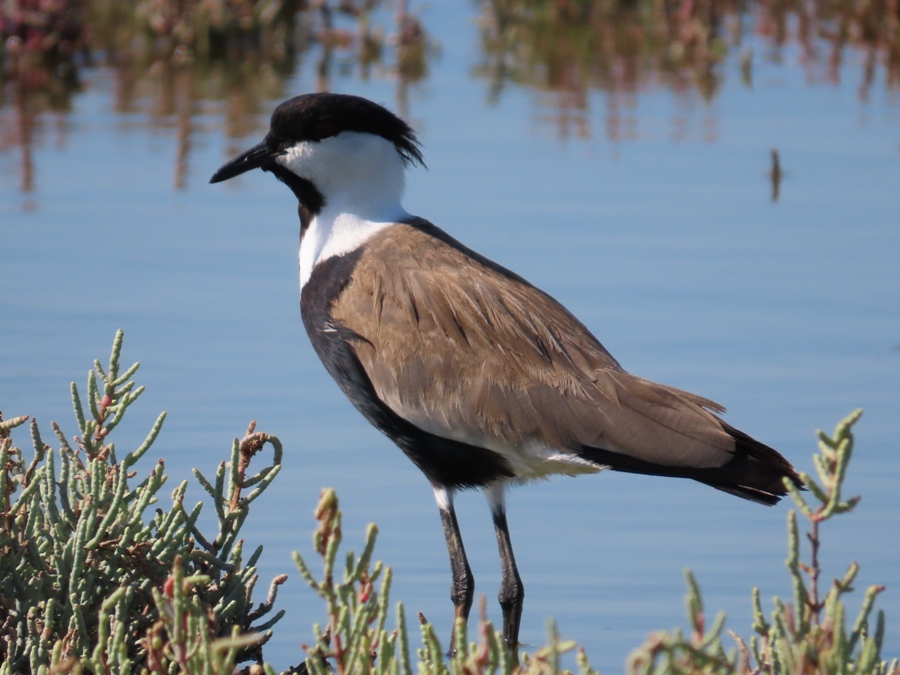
point(257, 156)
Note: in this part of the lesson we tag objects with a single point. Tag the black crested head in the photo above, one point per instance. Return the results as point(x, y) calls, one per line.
point(314, 117)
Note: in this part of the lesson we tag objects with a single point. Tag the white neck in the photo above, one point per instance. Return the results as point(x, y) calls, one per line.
point(361, 179)
point(338, 230)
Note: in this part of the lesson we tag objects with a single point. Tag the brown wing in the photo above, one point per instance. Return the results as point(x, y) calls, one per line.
point(461, 347)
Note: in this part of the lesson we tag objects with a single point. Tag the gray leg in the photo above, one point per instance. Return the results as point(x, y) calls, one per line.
point(462, 591)
point(512, 591)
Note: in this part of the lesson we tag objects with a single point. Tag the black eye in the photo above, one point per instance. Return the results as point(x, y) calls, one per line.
point(324, 129)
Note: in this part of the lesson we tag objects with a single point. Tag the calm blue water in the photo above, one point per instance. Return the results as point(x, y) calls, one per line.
point(666, 244)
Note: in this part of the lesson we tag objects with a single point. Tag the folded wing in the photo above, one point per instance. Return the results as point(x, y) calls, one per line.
point(466, 350)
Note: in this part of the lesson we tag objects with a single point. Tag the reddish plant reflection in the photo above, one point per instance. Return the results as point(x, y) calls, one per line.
point(565, 49)
point(171, 61)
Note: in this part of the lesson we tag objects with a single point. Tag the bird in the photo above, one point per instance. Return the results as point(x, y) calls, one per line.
point(483, 380)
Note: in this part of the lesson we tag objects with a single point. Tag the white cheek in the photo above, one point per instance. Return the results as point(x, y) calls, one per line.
point(332, 163)
point(298, 159)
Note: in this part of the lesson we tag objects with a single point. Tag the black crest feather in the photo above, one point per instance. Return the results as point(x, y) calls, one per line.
point(312, 117)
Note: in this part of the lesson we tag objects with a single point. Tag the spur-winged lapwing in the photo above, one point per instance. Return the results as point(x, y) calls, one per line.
point(483, 380)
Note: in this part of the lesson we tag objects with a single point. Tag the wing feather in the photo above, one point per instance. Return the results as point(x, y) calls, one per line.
point(461, 347)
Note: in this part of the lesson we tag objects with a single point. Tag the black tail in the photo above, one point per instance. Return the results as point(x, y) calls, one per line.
point(755, 472)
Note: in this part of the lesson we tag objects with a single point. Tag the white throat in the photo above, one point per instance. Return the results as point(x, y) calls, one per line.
point(361, 178)
point(334, 234)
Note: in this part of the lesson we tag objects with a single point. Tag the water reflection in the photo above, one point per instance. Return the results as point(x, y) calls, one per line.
point(168, 58)
point(567, 49)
